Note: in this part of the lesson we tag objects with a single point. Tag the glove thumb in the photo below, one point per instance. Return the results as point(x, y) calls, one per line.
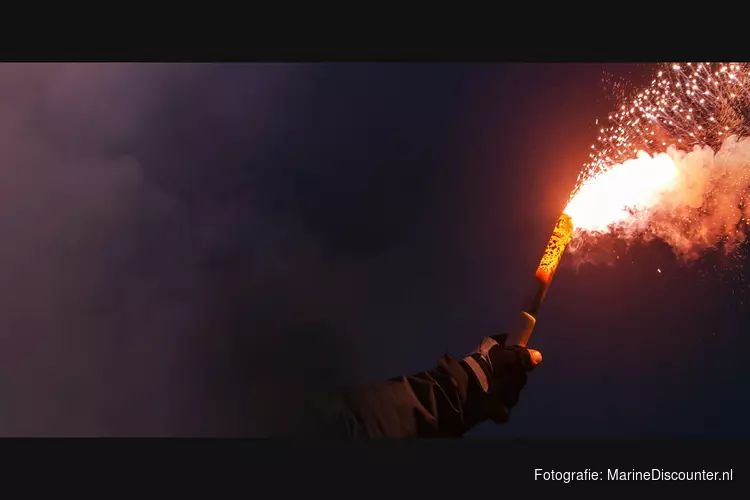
point(536, 357)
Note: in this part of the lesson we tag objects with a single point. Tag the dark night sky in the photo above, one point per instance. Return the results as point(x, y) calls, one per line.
point(187, 246)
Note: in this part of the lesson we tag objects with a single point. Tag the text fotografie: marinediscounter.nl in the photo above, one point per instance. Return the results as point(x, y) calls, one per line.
point(631, 475)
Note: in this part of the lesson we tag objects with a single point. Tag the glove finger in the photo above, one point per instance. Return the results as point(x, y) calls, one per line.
point(499, 413)
point(511, 399)
point(535, 358)
point(514, 387)
point(506, 360)
point(526, 359)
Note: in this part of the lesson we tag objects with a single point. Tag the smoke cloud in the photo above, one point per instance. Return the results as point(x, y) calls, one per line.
point(139, 265)
point(694, 201)
point(188, 248)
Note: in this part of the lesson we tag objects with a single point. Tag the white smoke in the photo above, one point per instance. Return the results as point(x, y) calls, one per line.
point(692, 200)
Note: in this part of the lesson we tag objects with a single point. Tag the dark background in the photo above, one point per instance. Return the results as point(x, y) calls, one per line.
point(187, 247)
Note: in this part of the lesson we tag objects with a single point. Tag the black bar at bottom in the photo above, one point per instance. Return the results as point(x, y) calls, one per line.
point(386, 468)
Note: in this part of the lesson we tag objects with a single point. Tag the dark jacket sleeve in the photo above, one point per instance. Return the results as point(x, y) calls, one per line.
point(442, 402)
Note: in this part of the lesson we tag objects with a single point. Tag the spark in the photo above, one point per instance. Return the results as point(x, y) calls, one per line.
point(696, 105)
point(672, 162)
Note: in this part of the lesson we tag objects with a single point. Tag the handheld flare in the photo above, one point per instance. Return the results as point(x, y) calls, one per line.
point(553, 253)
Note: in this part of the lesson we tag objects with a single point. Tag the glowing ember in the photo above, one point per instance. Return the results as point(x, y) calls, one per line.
point(555, 248)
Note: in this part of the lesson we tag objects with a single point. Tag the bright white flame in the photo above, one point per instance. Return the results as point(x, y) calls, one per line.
point(633, 186)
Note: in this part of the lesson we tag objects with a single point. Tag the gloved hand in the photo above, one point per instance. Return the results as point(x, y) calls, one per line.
point(499, 375)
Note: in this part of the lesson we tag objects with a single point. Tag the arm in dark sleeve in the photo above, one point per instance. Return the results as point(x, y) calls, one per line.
point(441, 402)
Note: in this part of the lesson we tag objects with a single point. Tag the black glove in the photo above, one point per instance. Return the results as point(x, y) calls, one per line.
point(499, 375)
